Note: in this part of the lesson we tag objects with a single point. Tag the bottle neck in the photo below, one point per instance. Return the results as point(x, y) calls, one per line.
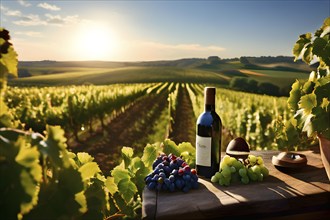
point(209, 99)
point(209, 107)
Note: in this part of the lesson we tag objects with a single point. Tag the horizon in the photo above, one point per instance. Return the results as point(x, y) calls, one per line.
point(141, 61)
point(146, 31)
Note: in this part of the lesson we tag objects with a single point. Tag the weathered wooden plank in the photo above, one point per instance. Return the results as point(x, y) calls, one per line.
point(289, 193)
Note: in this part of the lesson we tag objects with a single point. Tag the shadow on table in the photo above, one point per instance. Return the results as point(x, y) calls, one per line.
point(274, 197)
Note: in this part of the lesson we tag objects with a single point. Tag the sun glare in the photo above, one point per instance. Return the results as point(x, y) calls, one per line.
point(94, 42)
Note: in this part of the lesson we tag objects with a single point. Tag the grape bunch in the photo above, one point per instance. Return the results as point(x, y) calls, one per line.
point(171, 173)
point(251, 169)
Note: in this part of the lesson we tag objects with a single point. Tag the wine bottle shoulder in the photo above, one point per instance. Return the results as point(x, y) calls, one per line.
point(206, 118)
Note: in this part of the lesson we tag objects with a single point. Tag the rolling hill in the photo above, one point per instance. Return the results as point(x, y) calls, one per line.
point(280, 71)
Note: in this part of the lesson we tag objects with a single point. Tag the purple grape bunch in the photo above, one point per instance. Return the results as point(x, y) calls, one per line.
point(171, 173)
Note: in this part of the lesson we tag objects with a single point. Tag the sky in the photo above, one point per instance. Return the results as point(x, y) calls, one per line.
point(77, 30)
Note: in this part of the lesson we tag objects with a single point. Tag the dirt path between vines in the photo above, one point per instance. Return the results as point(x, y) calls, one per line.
point(184, 121)
point(126, 129)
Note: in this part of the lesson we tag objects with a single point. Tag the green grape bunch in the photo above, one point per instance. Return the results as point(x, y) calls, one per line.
point(231, 169)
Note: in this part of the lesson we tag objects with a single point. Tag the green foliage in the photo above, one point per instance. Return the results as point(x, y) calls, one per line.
point(310, 100)
point(184, 149)
point(20, 174)
point(39, 178)
point(8, 58)
point(250, 85)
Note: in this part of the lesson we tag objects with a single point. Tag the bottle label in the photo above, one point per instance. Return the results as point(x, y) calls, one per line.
point(203, 151)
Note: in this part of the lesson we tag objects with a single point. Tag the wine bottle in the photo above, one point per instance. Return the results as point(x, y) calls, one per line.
point(208, 137)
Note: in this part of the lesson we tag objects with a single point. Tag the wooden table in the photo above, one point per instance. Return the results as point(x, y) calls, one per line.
point(299, 194)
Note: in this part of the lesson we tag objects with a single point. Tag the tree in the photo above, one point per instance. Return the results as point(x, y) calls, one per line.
point(268, 89)
point(214, 60)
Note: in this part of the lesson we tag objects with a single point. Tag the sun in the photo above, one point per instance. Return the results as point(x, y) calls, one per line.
point(94, 42)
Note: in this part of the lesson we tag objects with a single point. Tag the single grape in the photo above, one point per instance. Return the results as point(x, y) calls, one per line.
point(214, 179)
point(148, 180)
point(174, 172)
point(155, 177)
point(194, 177)
point(256, 169)
point(242, 172)
point(195, 185)
point(160, 180)
point(232, 160)
point(159, 186)
point(179, 183)
point(162, 174)
point(226, 172)
point(167, 170)
point(187, 169)
point(185, 189)
point(245, 180)
point(264, 171)
point(173, 165)
point(186, 177)
point(151, 185)
point(238, 165)
point(223, 181)
point(160, 166)
point(252, 175)
point(179, 161)
point(172, 187)
point(226, 160)
point(171, 178)
point(260, 161)
point(232, 169)
point(218, 174)
point(167, 181)
point(252, 159)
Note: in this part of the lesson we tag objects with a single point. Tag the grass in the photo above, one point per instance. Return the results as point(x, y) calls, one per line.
point(282, 74)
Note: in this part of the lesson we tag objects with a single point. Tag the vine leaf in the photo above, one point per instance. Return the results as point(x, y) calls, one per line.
point(170, 146)
point(89, 170)
point(127, 189)
point(294, 96)
point(150, 153)
point(84, 157)
point(119, 173)
point(111, 186)
point(308, 102)
point(127, 154)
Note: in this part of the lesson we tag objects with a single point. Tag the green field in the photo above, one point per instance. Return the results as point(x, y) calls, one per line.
point(204, 71)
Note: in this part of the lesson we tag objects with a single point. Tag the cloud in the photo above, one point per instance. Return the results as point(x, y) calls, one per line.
point(13, 13)
point(186, 47)
point(58, 20)
point(30, 20)
point(29, 33)
point(49, 7)
point(24, 3)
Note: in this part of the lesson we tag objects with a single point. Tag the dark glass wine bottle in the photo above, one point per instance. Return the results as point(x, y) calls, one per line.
point(208, 137)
